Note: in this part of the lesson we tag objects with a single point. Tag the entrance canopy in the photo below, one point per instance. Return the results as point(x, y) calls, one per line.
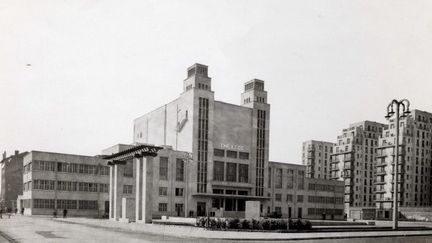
point(138, 151)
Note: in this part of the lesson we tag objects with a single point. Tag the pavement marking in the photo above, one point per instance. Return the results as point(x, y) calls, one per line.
point(7, 237)
point(48, 234)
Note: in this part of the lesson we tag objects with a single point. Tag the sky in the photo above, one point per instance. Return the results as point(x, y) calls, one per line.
point(75, 73)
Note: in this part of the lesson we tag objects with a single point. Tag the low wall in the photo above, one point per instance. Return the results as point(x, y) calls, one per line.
point(420, 214)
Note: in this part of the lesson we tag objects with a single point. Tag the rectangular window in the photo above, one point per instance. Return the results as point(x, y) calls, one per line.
point(218, 171)
point(243, 155)
point(243, 173)
point(219, 152)
point(300, 180)
point(179, 192)
point(127, 189)
point(278, 178)
point(299, 198)
point(290, 179)
point(163, 168)
point(163, 207)
point(179, 170)
point(232, 154)
point(231, 172)
point(289, 197)
point(103, 187)
point(278, 197)
point(163, 191)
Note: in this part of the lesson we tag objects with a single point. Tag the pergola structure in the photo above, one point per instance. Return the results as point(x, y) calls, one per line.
point(121, 208)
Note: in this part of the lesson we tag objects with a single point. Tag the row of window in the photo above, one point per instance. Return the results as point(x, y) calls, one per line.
point(65, 186)
point(327, 211)
point(324, 187)
point(325, 200)
point(278, 178)
point(39, 165)
point(163, 169)
point(62, 204)
point(234, 172)
point(231, 154)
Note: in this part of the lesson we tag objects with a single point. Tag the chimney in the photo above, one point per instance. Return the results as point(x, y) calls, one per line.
point(16, 152)
point(4, 155)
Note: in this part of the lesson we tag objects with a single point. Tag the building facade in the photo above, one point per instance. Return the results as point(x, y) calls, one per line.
point(55, 181)
point(353, 161)
point(11, 179)
point(415, 159)
point(316, 156)
point(228, 156)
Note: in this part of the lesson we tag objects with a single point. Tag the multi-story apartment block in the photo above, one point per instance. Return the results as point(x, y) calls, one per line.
point(353, 162)
point(316, 156)
point(11, 179)
point(54, 182)
point(415, 139)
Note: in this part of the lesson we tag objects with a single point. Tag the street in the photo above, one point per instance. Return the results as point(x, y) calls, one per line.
point(45, 229)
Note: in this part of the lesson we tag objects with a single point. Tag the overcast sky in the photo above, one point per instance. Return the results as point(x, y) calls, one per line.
point(74, 74)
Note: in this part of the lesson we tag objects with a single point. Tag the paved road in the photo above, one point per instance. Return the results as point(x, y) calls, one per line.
point(42, 229)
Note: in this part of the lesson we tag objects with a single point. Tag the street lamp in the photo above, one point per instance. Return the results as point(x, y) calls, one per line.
point(402, 110)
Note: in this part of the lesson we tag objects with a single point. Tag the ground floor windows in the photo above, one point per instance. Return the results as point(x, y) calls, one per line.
point(67, 204)
point(43, 203)
point(163, 207)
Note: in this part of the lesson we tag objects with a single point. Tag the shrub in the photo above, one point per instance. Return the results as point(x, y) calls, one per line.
point(234, 223)
point(200, 222)
point(245, 224)
point(266, 224)
point(275, 215)
point(256, 224)
point(307, 225)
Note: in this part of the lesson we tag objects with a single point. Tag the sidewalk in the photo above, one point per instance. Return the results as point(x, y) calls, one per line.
point(194, 232)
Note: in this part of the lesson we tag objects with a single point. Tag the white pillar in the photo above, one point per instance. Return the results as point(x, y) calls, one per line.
point(138, 188)
point(111, 192)
point(147, 190)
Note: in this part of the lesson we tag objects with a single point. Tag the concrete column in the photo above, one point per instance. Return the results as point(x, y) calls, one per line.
point(147, 190)
point(118, 190)
point(138, 188)
point(111, 193)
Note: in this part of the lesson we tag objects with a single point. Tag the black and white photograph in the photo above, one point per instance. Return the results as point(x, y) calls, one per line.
point(216, 121)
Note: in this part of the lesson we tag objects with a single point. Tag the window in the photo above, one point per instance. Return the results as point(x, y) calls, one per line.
point(163, 207)
point(179, 170)
point(299, 198)
point(219, 152)
point(179, 192)
point(243, 155)
point(163, 191)
point(232, 154)
point(278, 197)
point(127, 189)
point(43, 203)
point(104, 170)
point(103, 187)
point(231, 172)
point(218, 171)
point(243, 173)
point(163, 168)
point(278, 178)
point(85, 204)
point(128, 169)
point(290, 179)
point(67, 204)
point(289, 198)
point(300, 181)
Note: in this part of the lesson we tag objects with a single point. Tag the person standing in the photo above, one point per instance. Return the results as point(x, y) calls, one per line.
point(64, 213)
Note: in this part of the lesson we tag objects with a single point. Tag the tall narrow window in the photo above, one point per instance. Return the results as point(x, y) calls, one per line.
point(231, 172)
point(203, 127)
point(218, 171)
point(179, 170)
point(243, 173)
point(163, 168)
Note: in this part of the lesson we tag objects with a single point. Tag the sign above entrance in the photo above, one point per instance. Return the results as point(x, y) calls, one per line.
point(232, 146)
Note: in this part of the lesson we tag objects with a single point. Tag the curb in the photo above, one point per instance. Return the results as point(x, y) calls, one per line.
point(7, 237)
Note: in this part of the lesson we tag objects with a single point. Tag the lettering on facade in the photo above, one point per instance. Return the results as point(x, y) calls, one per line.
point(232, 146)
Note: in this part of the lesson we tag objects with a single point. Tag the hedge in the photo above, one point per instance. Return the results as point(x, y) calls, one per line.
point(245, 224)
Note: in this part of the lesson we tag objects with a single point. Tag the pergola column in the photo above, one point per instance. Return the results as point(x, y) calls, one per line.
point(116, 190)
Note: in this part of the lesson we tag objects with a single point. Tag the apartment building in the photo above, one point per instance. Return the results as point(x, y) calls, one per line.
point(11, 179)
point(415, 159)
point(316, 156)
point(353, 161)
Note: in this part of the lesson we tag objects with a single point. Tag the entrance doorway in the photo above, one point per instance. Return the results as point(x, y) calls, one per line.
point(201, 209)
point(106, 209)
point(299, 213)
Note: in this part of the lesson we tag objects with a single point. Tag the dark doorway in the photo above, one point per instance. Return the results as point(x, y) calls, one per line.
point(201, 209)
point(106, 207)
point(299, 213)
point(289, 212)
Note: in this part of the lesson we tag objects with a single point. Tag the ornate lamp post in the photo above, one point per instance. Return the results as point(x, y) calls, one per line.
point(402, 110)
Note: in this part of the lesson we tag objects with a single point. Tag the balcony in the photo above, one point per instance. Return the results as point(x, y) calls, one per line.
point(380, 182)
point(348, 157)
point(380, 172)
point(347, 166)
point(381, 164)
point(334, 176)
point(334, 168)
point(347, 174)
